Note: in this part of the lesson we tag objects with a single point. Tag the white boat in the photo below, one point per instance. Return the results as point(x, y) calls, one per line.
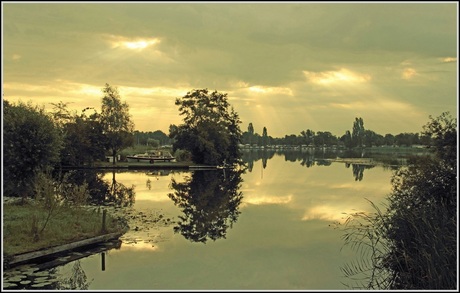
point(151, 157)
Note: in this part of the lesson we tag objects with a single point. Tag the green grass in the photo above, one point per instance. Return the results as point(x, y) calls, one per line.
point(65, 226)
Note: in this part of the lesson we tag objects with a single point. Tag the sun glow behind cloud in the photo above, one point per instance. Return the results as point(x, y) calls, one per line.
point(327, 213)
point(449, 59)
point(267, 199)
point(270, 90)
point(409, 73)
point(132, 43)
point(342, 76)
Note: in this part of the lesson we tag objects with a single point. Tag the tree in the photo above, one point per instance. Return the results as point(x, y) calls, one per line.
point(307, 136)
point(443, 132)
point(153, 142)
point(346, 139)
point(116, 121)
point(357, 134)
point(83, 141)
point(264, 137)
point(82, 135)
point(31, 144)
point(251, 133)
point(389, 139)
point(324, 138)
point(210, 131)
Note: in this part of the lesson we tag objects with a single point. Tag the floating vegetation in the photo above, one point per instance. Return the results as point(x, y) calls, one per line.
point(144, 225)
point(8, 285)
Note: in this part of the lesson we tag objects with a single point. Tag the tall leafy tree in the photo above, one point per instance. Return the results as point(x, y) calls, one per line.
point(442, 131)
point(346, 139)
point(210, 131)
point(31, 144)
point(264, 137)
point(83, 139)
point(116, 121)
point(357, 135)
point(251, 132)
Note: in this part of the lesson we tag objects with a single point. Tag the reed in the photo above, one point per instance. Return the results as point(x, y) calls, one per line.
point(413, 244)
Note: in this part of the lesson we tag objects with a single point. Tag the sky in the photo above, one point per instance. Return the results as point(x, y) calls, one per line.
point(286, 66)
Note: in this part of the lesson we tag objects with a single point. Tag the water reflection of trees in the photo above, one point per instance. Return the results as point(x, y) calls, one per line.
point(77, 279)
point(101, 191)
point(324, 157)
point(210, 203)
point(358, 170)
point(255, 155)
point(120, 194)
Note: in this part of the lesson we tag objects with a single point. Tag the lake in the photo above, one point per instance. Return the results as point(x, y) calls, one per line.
point(270, 228)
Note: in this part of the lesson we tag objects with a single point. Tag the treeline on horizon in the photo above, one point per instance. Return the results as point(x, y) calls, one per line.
point(357, 137)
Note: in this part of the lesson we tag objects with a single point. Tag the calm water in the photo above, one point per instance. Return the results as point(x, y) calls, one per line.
point(274, 232)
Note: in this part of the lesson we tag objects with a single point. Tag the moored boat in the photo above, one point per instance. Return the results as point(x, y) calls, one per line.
point(151, 157)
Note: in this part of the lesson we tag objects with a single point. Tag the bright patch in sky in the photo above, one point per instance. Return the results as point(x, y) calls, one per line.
point(138, 44)
point(262, 200)
point(336, 77)
point(327, 213)
point(449, 59)
point(133, 44)
point(270, 90)
point(408, 73)
point(87, 89)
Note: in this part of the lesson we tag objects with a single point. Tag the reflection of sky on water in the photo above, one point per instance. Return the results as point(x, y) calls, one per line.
point(159, 186)
point(281, 240)
point(321, 192)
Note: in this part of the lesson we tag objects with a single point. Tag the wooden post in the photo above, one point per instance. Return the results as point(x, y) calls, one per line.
point(104, 215)
point(103, 261)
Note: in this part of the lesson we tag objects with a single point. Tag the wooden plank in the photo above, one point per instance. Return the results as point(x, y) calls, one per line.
point(57, 249)
point(76, 256)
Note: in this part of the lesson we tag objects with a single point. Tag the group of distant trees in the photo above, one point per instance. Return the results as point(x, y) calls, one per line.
point(357, 137)
point(152, 138)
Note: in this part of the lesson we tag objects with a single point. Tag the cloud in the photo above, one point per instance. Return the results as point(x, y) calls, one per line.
point(409, 73)
point(449, 59)
point(264, 200)
point(341, 76)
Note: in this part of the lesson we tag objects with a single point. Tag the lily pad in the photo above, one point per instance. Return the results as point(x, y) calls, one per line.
point(8, 285)
point(41, 273)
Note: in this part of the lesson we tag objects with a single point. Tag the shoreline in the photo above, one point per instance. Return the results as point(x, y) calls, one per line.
point(147, 166)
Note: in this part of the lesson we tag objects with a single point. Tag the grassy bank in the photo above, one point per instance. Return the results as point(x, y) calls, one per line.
point(21, 222)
